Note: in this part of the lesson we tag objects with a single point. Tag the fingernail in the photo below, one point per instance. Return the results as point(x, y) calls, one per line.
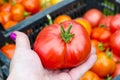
point(13, 36)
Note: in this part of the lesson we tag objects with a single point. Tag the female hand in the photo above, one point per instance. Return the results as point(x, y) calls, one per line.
point(26, 65)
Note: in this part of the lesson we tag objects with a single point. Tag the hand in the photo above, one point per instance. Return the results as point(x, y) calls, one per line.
point(26, 65)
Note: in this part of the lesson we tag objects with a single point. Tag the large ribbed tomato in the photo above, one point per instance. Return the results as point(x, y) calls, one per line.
point(63, 47)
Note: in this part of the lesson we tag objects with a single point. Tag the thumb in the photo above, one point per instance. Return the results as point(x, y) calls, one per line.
point(21, 39)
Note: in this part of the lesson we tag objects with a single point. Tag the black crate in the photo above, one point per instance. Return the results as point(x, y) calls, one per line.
point(4, 66)
point(73, 8)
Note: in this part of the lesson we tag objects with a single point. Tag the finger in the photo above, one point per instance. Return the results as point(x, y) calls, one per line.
point(77, 72)
point(22, 40)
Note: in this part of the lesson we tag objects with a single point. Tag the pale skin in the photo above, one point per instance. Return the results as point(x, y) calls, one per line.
point(26, 65)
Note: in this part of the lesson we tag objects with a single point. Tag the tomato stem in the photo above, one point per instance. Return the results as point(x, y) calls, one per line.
point(102, 26)
point(13, 3)
point(109, 53)
point(108, 77)
point(66, 36)
point(100, 46)
point(49, 19)
point(26, 13)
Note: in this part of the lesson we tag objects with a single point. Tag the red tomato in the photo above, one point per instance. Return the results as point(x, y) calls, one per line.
point(93, 16)
point(117, 70)
point(60, 49)
point(8, 50)
point(17, 12)
point(116, 58)
point(101, 34)
point(106, 21)
point(115, 23)
point(5, 17)
point(32, 6)
point(6, 7)
point(115, 43)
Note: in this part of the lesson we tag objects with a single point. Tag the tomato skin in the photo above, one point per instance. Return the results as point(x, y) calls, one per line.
point(106, 21)
point(96, 43)
point(85, 24)
point(9, 24)
point(8, 50)
point(115, 23)
point(93, 16)
point(104, 65)
point(31, 6)
point(5, 17)
point(89, 75)
point(17, 12)
point(116, 58)
point(6, 7)
point(61, 18)
point(115, 43)
point(55, 53)
point(117, 70)
point(101, 34)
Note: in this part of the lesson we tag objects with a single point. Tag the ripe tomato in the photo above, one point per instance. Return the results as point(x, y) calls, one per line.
point(93, 16)
point(116, 58)
point(6, 7)
point(61, 18)
point(17, 12)
point(32, 6)
point(101, 34)
point(5, 17)
point(115, 43)
point(89, 75)
point(59, 48)
point(104, 65)
point(98, 45)
point(117, 70)
point(106, 21)
point(85, 24)
point(115, 23)
point(8, 50)
point(9, 24)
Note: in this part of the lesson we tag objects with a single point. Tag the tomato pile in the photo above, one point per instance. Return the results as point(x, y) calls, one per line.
point(93, 28)
point(14, 11)
point(105, 37)
point(104, 34)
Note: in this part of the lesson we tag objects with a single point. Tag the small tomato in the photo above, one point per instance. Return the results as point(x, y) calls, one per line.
point(115, 23)
point(9, 24)
point(32, 6)
point(8, 50)
point(6, 7)
point(104, 65)
point(93, 16)
point(115, 43)
point(89, 75)
point(85, 24)
point(61, 18)
point(106, 21)
point(17, 12)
